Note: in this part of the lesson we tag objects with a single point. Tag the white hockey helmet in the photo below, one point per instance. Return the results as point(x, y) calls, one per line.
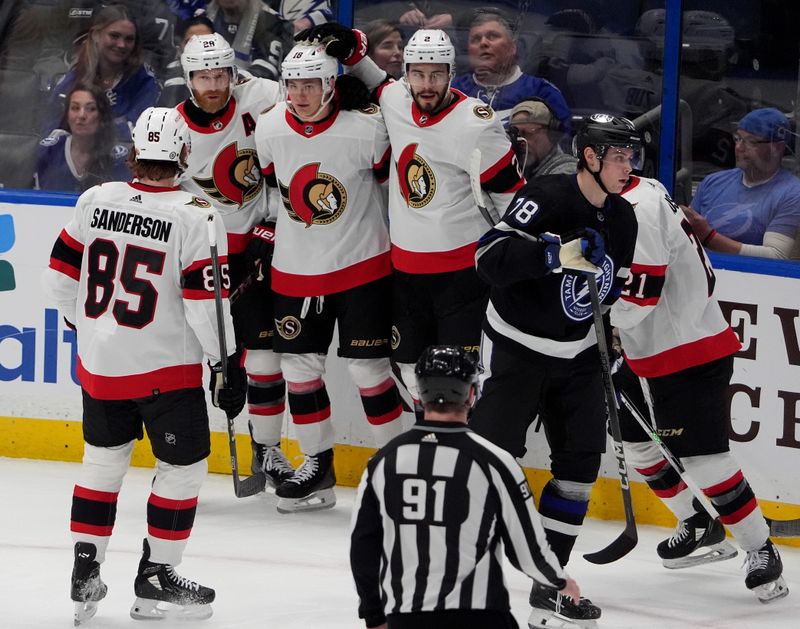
point(208, 52)
point(160, 135)
point(306, 61)
point(430, 46)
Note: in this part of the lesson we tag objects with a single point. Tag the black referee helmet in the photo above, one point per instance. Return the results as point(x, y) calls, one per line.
point(445, 374)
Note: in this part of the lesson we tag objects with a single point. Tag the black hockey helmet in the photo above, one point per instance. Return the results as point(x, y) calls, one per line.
point(602, 131)
point(445, 374)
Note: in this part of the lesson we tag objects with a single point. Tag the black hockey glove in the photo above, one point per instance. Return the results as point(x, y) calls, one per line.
point(592, 246)
point(230, 399)
point(348, 45)
point(352, 92)
point(261, 245)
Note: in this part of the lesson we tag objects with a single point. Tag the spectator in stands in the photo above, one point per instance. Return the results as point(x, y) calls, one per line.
point(302, 14)
point(385, 46)
point(175, 89)
point(81, 152)
point(109, 57)
point(535, 133)
point(254, 31)
point(496, 78)
point(753, 209)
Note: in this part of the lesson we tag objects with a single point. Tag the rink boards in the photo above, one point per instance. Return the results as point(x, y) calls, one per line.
point(40, 408)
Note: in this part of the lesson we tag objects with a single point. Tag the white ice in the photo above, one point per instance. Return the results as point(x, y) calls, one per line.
point(291, 571)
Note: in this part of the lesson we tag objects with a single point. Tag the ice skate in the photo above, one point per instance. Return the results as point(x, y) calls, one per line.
point(552, 610)
point(764, 573)
point(163, 593)
point(87, 587)
point(696, 541)
point(270, 462)
point(310, 487)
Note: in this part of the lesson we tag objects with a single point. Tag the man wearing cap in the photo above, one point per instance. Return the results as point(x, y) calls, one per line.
point(535, 132)
point(753, 209)
point(496, 78)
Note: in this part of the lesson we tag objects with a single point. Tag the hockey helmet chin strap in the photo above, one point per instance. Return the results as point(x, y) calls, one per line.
point(597, 178)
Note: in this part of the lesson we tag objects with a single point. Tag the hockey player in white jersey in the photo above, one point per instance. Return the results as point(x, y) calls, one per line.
point(677, 341)
point(223, 169)
point(131, 272)
point(327, 150)
point(434, 219)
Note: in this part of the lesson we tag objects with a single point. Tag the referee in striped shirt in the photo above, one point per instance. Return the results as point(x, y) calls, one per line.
point(436, 507)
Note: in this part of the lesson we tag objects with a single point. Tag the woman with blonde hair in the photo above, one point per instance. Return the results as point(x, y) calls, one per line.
point(109, 57)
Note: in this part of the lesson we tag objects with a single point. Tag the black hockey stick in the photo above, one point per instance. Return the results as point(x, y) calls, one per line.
point(777, 528)
point(256, 483)
point(626, 542)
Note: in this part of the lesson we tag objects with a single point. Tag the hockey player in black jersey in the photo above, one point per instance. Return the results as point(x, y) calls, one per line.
point(539, 346)
point(456, 499)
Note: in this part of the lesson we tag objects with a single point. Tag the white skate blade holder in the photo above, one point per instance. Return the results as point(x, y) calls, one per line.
point(315, 501)
point(718, 552)
point(771, 591)
point(545, 619)
point(84, 610)
point(149, 609)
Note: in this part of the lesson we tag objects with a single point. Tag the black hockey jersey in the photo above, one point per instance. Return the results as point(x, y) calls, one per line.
point(531, 307)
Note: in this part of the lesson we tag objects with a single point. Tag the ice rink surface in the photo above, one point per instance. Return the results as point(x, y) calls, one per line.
point(292, 572)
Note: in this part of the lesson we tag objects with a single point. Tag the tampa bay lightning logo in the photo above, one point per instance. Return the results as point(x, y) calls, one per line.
point(575, 298)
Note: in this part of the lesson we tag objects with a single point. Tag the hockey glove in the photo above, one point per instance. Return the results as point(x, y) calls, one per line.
point(348, 45)
point(559, 256)
point(230, 399)
point(552, 247)
point(592, 246)
point(352, 93)
point(261, 245)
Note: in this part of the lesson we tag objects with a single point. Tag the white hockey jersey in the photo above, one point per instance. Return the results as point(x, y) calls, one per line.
point(434, 219)
point(331, 233)
point(223, 166)
point(132, 272)
point(667, 316)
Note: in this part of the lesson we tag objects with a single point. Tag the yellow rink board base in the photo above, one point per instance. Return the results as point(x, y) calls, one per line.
point(57, 440)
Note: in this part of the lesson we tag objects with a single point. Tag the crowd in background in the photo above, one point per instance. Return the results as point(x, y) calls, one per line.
point(75, 75)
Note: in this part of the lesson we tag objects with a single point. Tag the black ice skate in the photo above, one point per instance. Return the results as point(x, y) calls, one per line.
point(310, 487)
point(696, 541)
point(271, 463)
point(163, 593)
point(764, 573)
point(87, 586)
point(552, 610)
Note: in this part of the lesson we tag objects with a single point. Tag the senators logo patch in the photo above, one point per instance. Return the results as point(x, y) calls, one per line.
point(417, 182)
point(288, 327)
point(236, 176)
point(313, 197)
point(395, 337)
point(197, 201)
point(370, 109)
point(484, 112)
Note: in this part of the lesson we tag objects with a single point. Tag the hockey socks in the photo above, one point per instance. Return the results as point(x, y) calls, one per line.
point(563, 507)
point(310, 408)
point(383, 407)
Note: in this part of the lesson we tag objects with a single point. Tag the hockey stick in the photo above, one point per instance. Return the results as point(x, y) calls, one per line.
point(251, 485)
point(629, 537)
point(777, 528)
point(475, 184)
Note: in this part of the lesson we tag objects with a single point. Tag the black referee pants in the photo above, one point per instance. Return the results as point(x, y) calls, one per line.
point(453, 619)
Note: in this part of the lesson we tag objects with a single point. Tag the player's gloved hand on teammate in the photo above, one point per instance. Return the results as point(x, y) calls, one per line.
point(552, 250)
point(348, 45)
point(261, 245)
point(231, 398)
point(592, 246)
point(352, 93)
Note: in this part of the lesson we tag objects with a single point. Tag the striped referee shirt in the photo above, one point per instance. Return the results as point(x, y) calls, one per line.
point(434, 511)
